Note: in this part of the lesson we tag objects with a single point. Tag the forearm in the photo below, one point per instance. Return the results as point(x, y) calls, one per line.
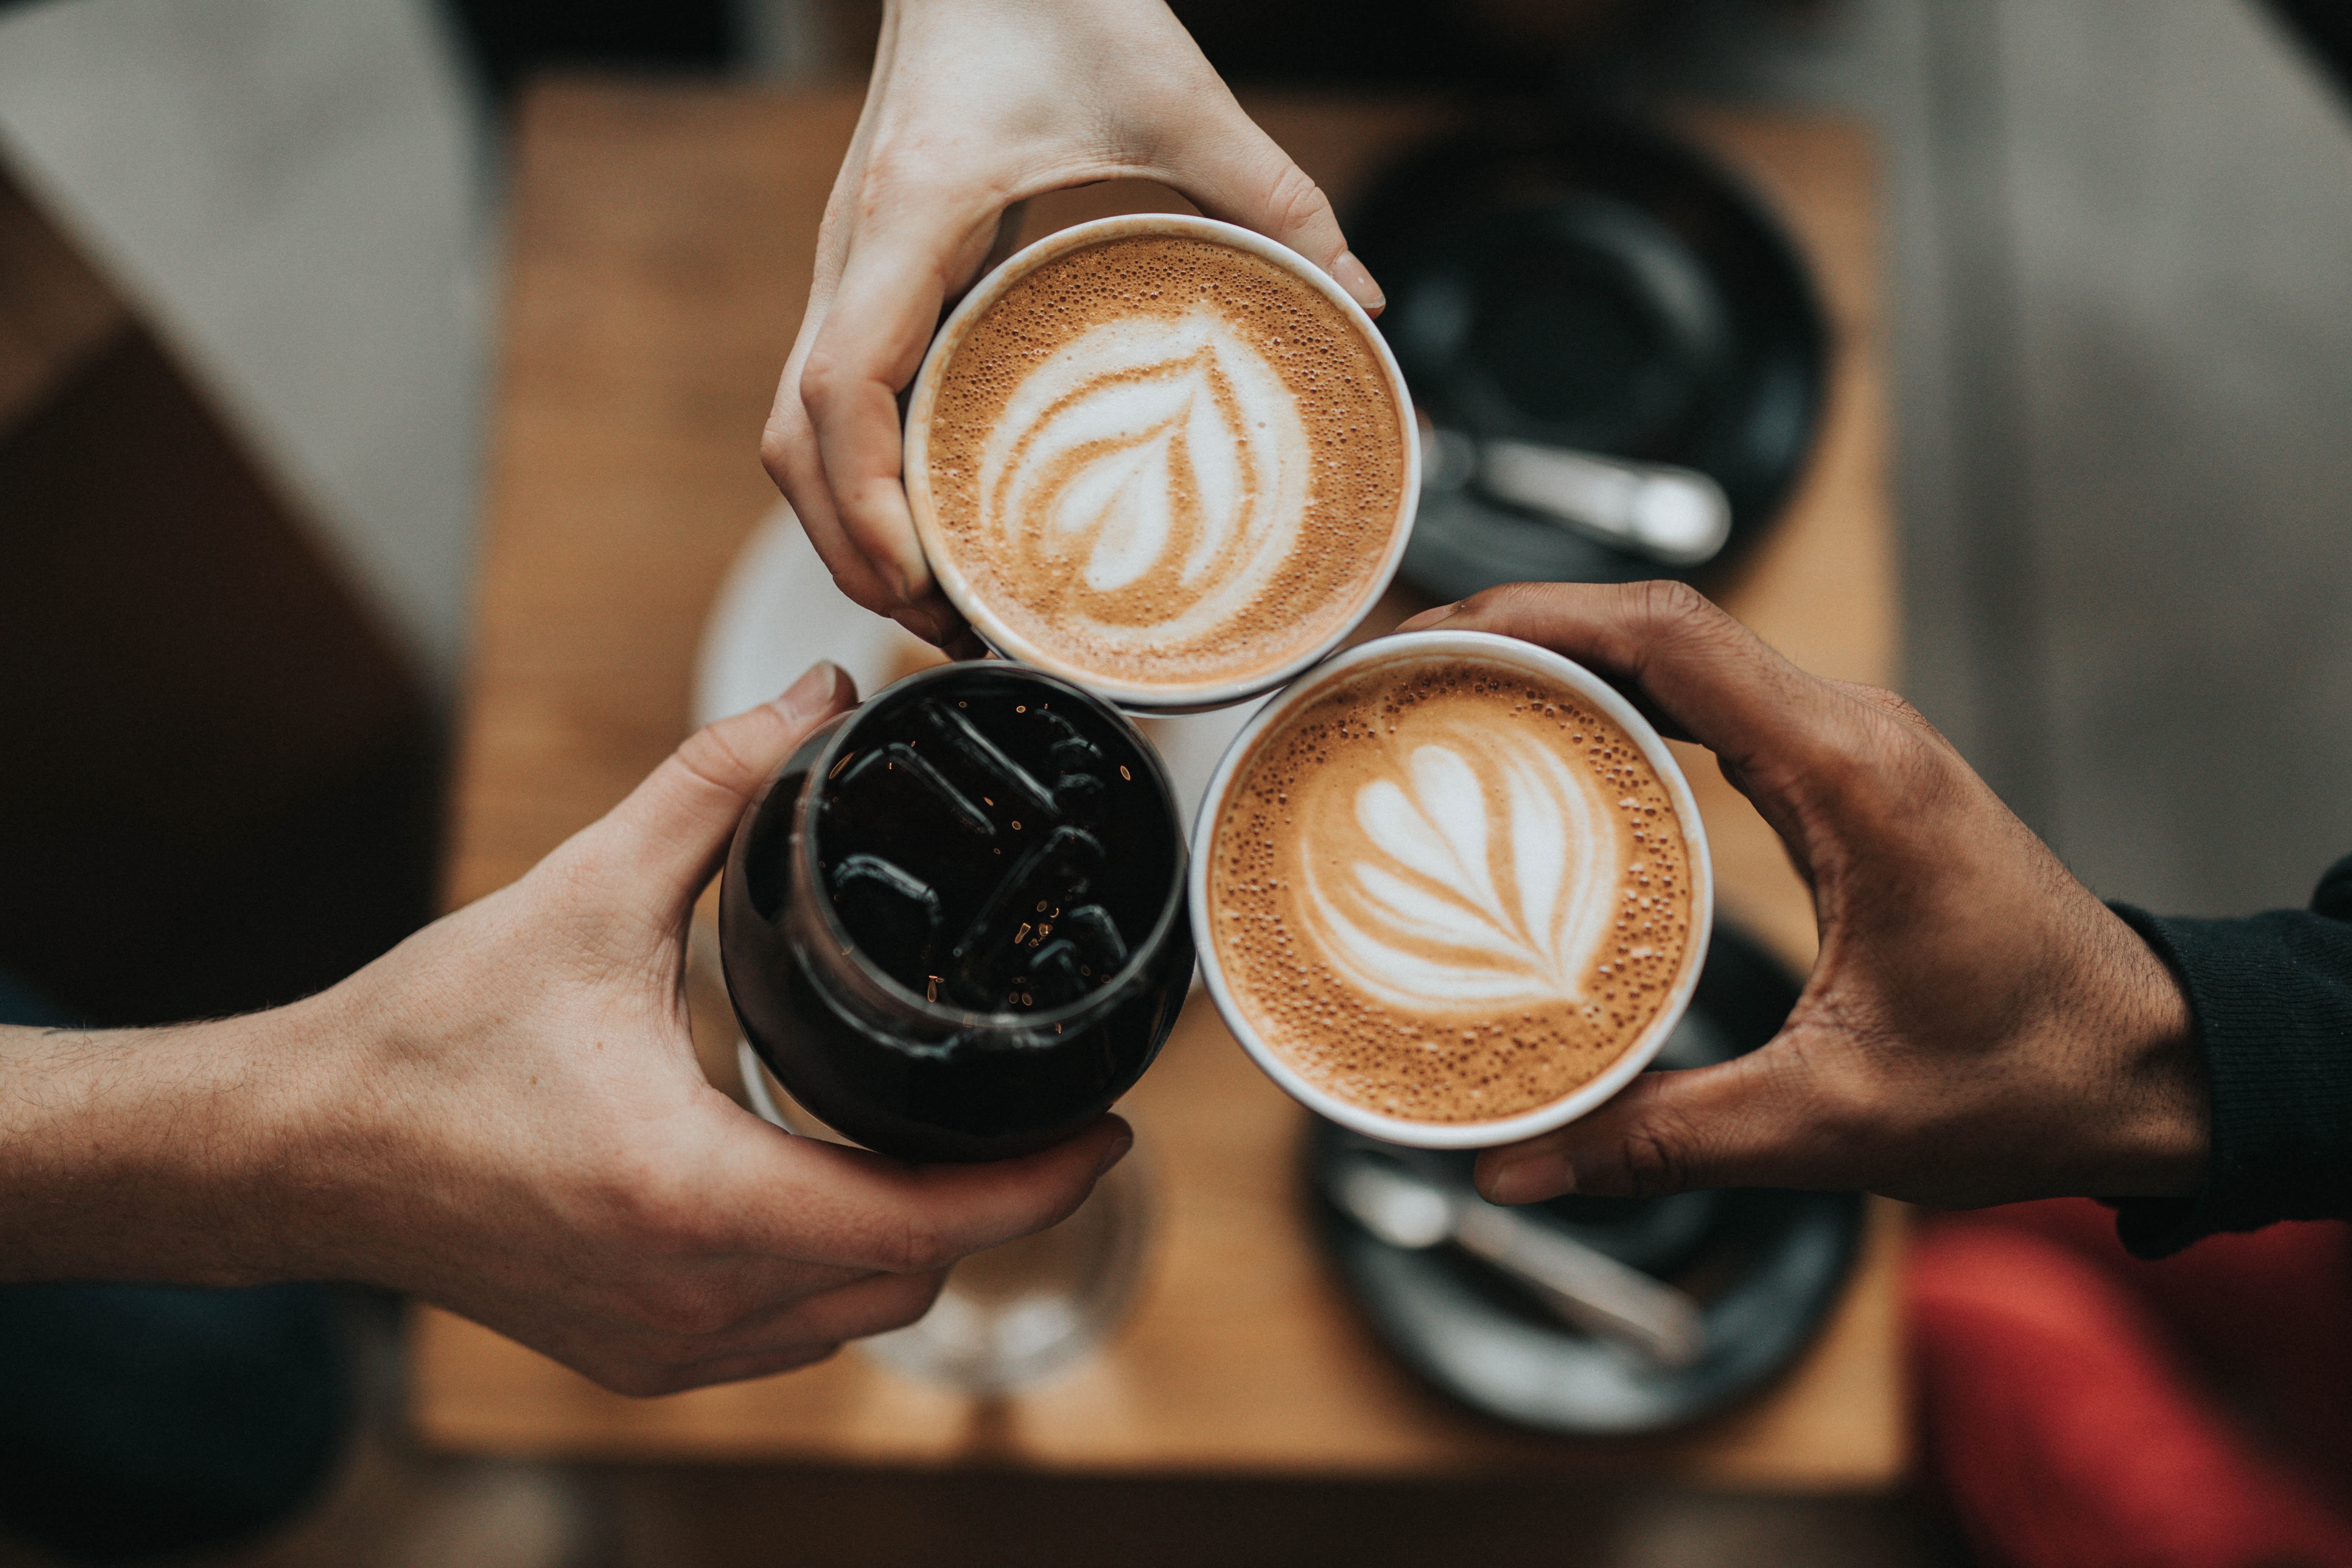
point(157, 1154)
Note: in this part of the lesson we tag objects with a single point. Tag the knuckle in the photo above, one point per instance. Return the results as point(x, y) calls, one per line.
point(712, 757)
point(1848, 767)
point(918, 1248)
point(1673, 608)
point(1914, 733)
point(780, 454)
point(1296, 201)
point(1889, 705)
point(823, 379)
point(1653, 1163)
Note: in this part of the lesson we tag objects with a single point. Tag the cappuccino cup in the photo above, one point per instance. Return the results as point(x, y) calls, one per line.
point(1162, 457)
point(1450, 891)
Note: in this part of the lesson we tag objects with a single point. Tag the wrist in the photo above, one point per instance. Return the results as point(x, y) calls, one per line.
point(148, 1155)
point(309, 1137)
point(2161, 1118)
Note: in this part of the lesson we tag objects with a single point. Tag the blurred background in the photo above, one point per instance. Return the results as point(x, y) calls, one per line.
point(2120, 310)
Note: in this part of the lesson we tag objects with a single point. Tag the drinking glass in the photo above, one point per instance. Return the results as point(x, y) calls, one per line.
point(1010, 845)
point(1015, 1314)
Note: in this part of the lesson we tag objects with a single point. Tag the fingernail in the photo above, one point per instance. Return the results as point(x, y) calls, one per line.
point(812, 694)
point(1525, 1180)
point(1352, 275)
point(1114, 1154)
point(1430, 618)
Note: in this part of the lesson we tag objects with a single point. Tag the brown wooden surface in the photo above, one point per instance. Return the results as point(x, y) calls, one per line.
point(660, 250)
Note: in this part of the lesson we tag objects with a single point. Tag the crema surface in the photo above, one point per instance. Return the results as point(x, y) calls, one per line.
point(1167, 461)
point(1448, 891)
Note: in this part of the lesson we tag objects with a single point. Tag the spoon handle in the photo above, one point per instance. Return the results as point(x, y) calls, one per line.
point(1587, 1287)
point(1675, 516)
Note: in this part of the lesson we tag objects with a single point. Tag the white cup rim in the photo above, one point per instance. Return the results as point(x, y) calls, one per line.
point(1586, 1098)
point(1141, 696)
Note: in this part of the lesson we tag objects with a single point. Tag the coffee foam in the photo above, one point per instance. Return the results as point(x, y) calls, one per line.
point(1167, 461)
point(1449, 891)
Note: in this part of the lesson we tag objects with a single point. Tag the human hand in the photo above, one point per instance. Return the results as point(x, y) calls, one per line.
point(1978, 1029)
point(505, 1115)
point(976, 105)
point(545, 1155)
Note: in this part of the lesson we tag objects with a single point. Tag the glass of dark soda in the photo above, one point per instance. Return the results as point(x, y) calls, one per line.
point(953, 926)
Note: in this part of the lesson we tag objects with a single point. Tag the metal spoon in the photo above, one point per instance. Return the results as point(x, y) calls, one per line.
point(1674, 516)
point(1584, 1286)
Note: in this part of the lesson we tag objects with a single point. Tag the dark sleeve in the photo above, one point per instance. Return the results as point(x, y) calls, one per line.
point(2273, 1000)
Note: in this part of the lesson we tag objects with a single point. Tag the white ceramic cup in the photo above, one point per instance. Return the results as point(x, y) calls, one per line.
point(1143, 697)
point(1443, 647)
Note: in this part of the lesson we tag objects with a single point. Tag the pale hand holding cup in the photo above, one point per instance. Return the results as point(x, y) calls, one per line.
point(976, 105)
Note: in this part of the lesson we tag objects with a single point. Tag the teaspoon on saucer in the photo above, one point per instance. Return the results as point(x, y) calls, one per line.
point(1585, 1287)
point(1677, 517)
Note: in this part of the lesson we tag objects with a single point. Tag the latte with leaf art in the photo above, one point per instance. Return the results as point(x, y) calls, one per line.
point(1161, 463)
point(1448, 891)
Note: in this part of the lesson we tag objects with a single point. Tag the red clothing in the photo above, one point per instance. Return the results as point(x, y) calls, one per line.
point(2085, 1409)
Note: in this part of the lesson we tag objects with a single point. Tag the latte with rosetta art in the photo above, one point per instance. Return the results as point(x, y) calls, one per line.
point(1449, 891)
point(1166, 462)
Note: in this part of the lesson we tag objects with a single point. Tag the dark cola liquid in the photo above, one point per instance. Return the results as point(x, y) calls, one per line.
point(999, 853)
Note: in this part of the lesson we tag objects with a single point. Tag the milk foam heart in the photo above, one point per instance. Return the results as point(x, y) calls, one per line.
point(1450, 893)
point(1166, 462)
point(1155, 459)
point(1485, 873)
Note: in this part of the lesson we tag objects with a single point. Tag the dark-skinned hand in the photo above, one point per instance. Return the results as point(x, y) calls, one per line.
point(1979, 1028)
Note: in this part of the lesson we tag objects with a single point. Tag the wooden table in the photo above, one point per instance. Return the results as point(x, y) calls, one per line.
point(659, 258)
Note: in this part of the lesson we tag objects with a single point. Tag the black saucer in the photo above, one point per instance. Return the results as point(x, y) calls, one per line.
point(1580, 281)
point(1766, 1266)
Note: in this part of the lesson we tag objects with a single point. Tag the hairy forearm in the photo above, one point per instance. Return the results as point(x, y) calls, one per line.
point(156, 1154)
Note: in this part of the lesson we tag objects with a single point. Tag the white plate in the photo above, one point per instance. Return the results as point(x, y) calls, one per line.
point(778, 612)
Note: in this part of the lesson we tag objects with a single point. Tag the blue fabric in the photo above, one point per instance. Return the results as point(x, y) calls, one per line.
point(143, 1420)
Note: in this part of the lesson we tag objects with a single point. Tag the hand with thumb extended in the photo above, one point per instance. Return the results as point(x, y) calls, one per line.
point(515, 1126)
point(975, 106)
point(1978, 1029)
